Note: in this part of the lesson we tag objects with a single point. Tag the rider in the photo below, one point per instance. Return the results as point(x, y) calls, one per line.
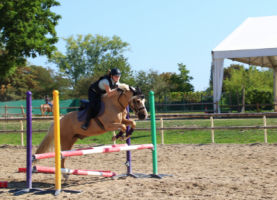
point(47, 101)
point(107, 84)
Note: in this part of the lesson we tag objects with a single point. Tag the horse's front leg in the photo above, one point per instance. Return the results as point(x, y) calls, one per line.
point(129, 122)
point(114, 126)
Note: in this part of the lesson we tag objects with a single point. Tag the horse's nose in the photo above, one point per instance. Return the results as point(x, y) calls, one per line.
point(142, 117)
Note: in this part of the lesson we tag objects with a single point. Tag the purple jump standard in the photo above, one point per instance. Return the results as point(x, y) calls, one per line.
point(29, 149)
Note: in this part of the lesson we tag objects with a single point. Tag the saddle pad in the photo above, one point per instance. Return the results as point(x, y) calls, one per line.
point(82, 115)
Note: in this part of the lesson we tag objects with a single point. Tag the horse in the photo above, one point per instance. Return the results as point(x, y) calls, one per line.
point(113, 117)
point(46, 108)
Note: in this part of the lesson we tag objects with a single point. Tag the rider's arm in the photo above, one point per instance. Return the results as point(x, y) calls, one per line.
point(109, 91)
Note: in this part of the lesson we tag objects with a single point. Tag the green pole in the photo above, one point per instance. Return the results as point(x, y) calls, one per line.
point(153, 131)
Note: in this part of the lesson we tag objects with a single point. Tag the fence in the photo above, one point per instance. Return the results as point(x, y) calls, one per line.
point(182, 116)
point(18, 108)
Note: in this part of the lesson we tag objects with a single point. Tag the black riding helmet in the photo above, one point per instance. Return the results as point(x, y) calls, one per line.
point(115, 72)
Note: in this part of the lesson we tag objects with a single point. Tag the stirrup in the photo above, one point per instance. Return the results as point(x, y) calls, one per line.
point(85, 126)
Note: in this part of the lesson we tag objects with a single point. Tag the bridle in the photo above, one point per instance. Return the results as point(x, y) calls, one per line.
point(135, 107)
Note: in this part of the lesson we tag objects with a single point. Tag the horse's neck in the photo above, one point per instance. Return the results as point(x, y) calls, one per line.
point(116, 101)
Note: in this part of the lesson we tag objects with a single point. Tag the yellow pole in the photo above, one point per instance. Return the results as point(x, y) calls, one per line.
point(57, 141)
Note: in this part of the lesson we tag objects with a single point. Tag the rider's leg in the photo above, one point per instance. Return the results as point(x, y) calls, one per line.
point(92, 100)
point(85, 125)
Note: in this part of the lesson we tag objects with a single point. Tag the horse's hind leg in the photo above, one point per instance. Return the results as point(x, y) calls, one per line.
point(67, 146)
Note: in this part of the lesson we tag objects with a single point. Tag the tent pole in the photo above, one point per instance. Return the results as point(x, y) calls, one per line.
point(275, 88)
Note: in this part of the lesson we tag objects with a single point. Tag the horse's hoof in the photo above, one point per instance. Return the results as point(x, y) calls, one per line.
point(113, 138)
point(65, 176)
point(124, 137)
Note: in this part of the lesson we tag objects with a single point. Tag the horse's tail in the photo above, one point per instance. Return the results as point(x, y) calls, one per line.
point(47, 142)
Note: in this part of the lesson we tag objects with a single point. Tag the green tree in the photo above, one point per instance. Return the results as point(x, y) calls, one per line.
point(15, 86)
point(27, 28)
point(48, 80)
point(181, 82)
point(86, 56)
point(151, 81)
point(257, 84)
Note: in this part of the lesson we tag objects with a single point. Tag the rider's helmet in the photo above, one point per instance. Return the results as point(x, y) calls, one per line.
point(115, 72)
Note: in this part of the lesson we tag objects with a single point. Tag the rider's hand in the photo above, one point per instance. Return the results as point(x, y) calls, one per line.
point(119, 89)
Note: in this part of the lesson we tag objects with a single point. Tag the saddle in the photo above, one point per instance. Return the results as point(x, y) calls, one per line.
point(97, 111)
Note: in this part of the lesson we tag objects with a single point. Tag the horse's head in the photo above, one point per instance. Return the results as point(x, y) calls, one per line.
point(137, 103)
point(135, 99)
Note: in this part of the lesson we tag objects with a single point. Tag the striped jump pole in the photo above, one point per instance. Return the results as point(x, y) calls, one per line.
point(37, 169)
point(29, 149)
point(51, 170)
point(52, 154)
point(80, 152)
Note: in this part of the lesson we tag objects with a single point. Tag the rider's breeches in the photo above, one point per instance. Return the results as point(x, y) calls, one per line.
point(92, 96)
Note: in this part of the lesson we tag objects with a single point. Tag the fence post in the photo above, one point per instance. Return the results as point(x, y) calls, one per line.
point(265, 130)
point(162, 132)
point(23, 112)
point(257, 107)
point(212, 131)
point(21, 128)
point(6, 111)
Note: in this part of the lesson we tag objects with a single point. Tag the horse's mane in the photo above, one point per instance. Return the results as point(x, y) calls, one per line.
point(122, 86)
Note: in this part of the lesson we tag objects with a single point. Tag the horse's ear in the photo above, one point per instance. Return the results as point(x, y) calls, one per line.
point(138, 89)
point(131, 89)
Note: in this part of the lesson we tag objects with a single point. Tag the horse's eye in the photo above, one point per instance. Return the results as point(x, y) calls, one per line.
point(138, 101)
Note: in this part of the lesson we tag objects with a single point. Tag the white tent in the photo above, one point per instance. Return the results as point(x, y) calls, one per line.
point(254, 42)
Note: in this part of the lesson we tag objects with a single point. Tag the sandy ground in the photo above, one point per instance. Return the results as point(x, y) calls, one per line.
point(212, 171)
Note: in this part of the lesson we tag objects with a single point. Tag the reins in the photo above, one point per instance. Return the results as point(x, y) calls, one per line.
point(135, 108)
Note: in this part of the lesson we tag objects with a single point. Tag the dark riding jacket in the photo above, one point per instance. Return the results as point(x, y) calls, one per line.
point(94, 95)
point(95, 86)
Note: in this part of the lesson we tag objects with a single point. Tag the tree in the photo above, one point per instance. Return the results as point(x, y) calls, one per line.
point(15, 86)
point(27, 28)
point(86, 56)
point(151, 81)
point(181, 82)
point(257, 84)
point(48, 80)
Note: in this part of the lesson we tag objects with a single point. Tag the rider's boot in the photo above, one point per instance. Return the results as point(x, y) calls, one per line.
point(85, 125)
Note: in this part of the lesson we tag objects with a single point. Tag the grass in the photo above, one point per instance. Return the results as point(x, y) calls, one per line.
point(170, 137)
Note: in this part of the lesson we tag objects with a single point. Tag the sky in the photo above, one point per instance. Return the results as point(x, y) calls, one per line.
point(161, 33)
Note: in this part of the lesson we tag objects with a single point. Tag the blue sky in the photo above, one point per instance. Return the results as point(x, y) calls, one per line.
point(161, 33)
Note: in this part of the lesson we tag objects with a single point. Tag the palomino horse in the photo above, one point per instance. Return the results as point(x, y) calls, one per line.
point(46, 108)
point(114, 117)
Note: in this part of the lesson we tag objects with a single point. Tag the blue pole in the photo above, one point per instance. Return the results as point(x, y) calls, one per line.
point(29, 139)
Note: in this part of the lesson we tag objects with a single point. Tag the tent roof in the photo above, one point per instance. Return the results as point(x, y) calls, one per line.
point(254, 42)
